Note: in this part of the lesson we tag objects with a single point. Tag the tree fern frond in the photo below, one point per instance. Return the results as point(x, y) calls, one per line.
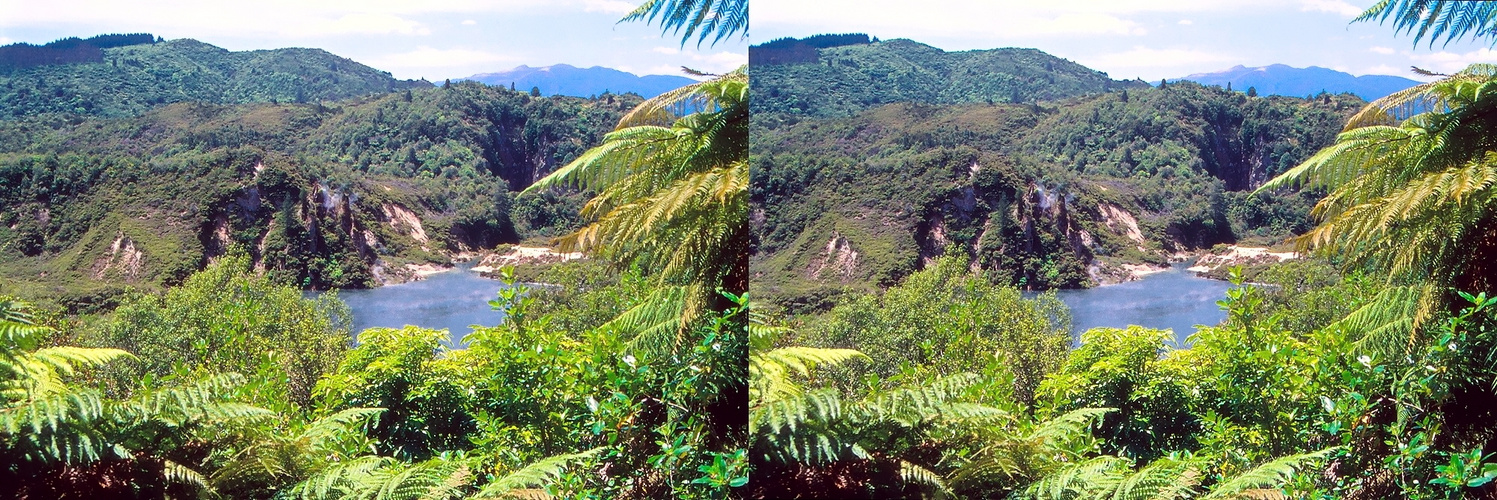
point(339, 423)
point(912, 473)
point(770, 373)
point(1069, 425)
point(1090, 479)
point(537, 473)
point(176, 473)
point(1270, 475)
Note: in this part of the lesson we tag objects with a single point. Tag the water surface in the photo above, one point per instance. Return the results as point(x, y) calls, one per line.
point(453, 300)
point(1175, 299)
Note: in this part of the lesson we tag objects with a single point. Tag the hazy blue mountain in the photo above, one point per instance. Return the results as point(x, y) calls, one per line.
point(563, 79)
point(1279, 79)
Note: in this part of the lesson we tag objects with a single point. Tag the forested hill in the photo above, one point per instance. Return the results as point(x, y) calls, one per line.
point(80, 77)
point(339, 194)
point(845, 77)
point(1041, 195)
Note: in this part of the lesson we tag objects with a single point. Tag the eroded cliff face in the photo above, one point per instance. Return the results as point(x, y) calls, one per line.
point(1027, 234)
point(323, 236)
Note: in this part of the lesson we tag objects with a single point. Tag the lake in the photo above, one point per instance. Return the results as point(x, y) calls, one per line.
point(1176, 299)
point(453, 300)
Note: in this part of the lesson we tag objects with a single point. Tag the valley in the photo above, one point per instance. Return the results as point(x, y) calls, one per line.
point(1066, 192)
point(345, 194)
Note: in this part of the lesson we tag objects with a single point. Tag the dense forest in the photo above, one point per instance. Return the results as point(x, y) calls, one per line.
point(324, 195)
point(124, 75)
point(1362, 370)
point(622, 378)
point(1044, 195)
point(68, 50)
point(845, 77)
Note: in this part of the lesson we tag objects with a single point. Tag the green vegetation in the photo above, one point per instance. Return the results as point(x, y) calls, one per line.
point(1040, 196)
point(716, 18)
point(1449, 19)
point(1369, 376)
point(621, 382)
point(843, 80)
point(525, 405)
point(325, 195)
point(126, 79)
point(674, 197)
point(1414, 197)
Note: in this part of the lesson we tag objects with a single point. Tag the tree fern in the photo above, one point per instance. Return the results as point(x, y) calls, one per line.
point(1436, 19)
point(672, 197)
point(703, 18)
point(48, 424)
point(1170, 478)
point(1264, 479)
point(537, 473)
point(1413, 186)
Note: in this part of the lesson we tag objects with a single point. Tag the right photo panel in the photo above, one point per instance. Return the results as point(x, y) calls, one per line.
point(1123, 250)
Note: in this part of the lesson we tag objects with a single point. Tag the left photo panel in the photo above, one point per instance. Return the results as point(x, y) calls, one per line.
point(328, 249)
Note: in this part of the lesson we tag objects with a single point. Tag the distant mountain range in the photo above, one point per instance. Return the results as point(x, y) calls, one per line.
point(564, 79)
point(1279, 79)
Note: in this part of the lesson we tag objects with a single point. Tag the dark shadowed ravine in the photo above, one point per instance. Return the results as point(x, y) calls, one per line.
point(454, 300)
point(1176, 299)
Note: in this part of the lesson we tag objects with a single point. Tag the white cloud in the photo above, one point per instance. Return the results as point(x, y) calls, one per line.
point(429, 58)
point(1152, 64)
point(608, 6)
point(469, 22)
point(662, 69)
point(1333, 6)
point(360, 23)
point(1381, 50)
point(966, 17)
point(287, 18)
point(667, 50)
point(5, 41)
point(1186, 22)
point(1383, 69)
point(1450, 62)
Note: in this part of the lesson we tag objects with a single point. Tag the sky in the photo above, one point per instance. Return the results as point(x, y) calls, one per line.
point(1148, 39)
point(431, 39)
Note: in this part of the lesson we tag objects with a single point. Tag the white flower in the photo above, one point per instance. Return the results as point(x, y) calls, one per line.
point(1365, 360)
point(629, 359)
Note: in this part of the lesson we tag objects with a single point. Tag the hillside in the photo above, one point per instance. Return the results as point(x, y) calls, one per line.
point(841, 80)
point(1061, 194)
point(1278, 79)
point(129, 80)
point(325, 195)
point(563, 79)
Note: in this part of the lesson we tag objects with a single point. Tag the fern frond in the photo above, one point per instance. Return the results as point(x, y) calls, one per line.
point(912, 473)
point(176, 473)
point(1090, 479)
point(537, 473)
point(1069, 425)
point(770, 373)
point(1271, 475)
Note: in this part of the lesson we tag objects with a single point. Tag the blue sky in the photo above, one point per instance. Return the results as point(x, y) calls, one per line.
point(1149, 39)
point(432, 39)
